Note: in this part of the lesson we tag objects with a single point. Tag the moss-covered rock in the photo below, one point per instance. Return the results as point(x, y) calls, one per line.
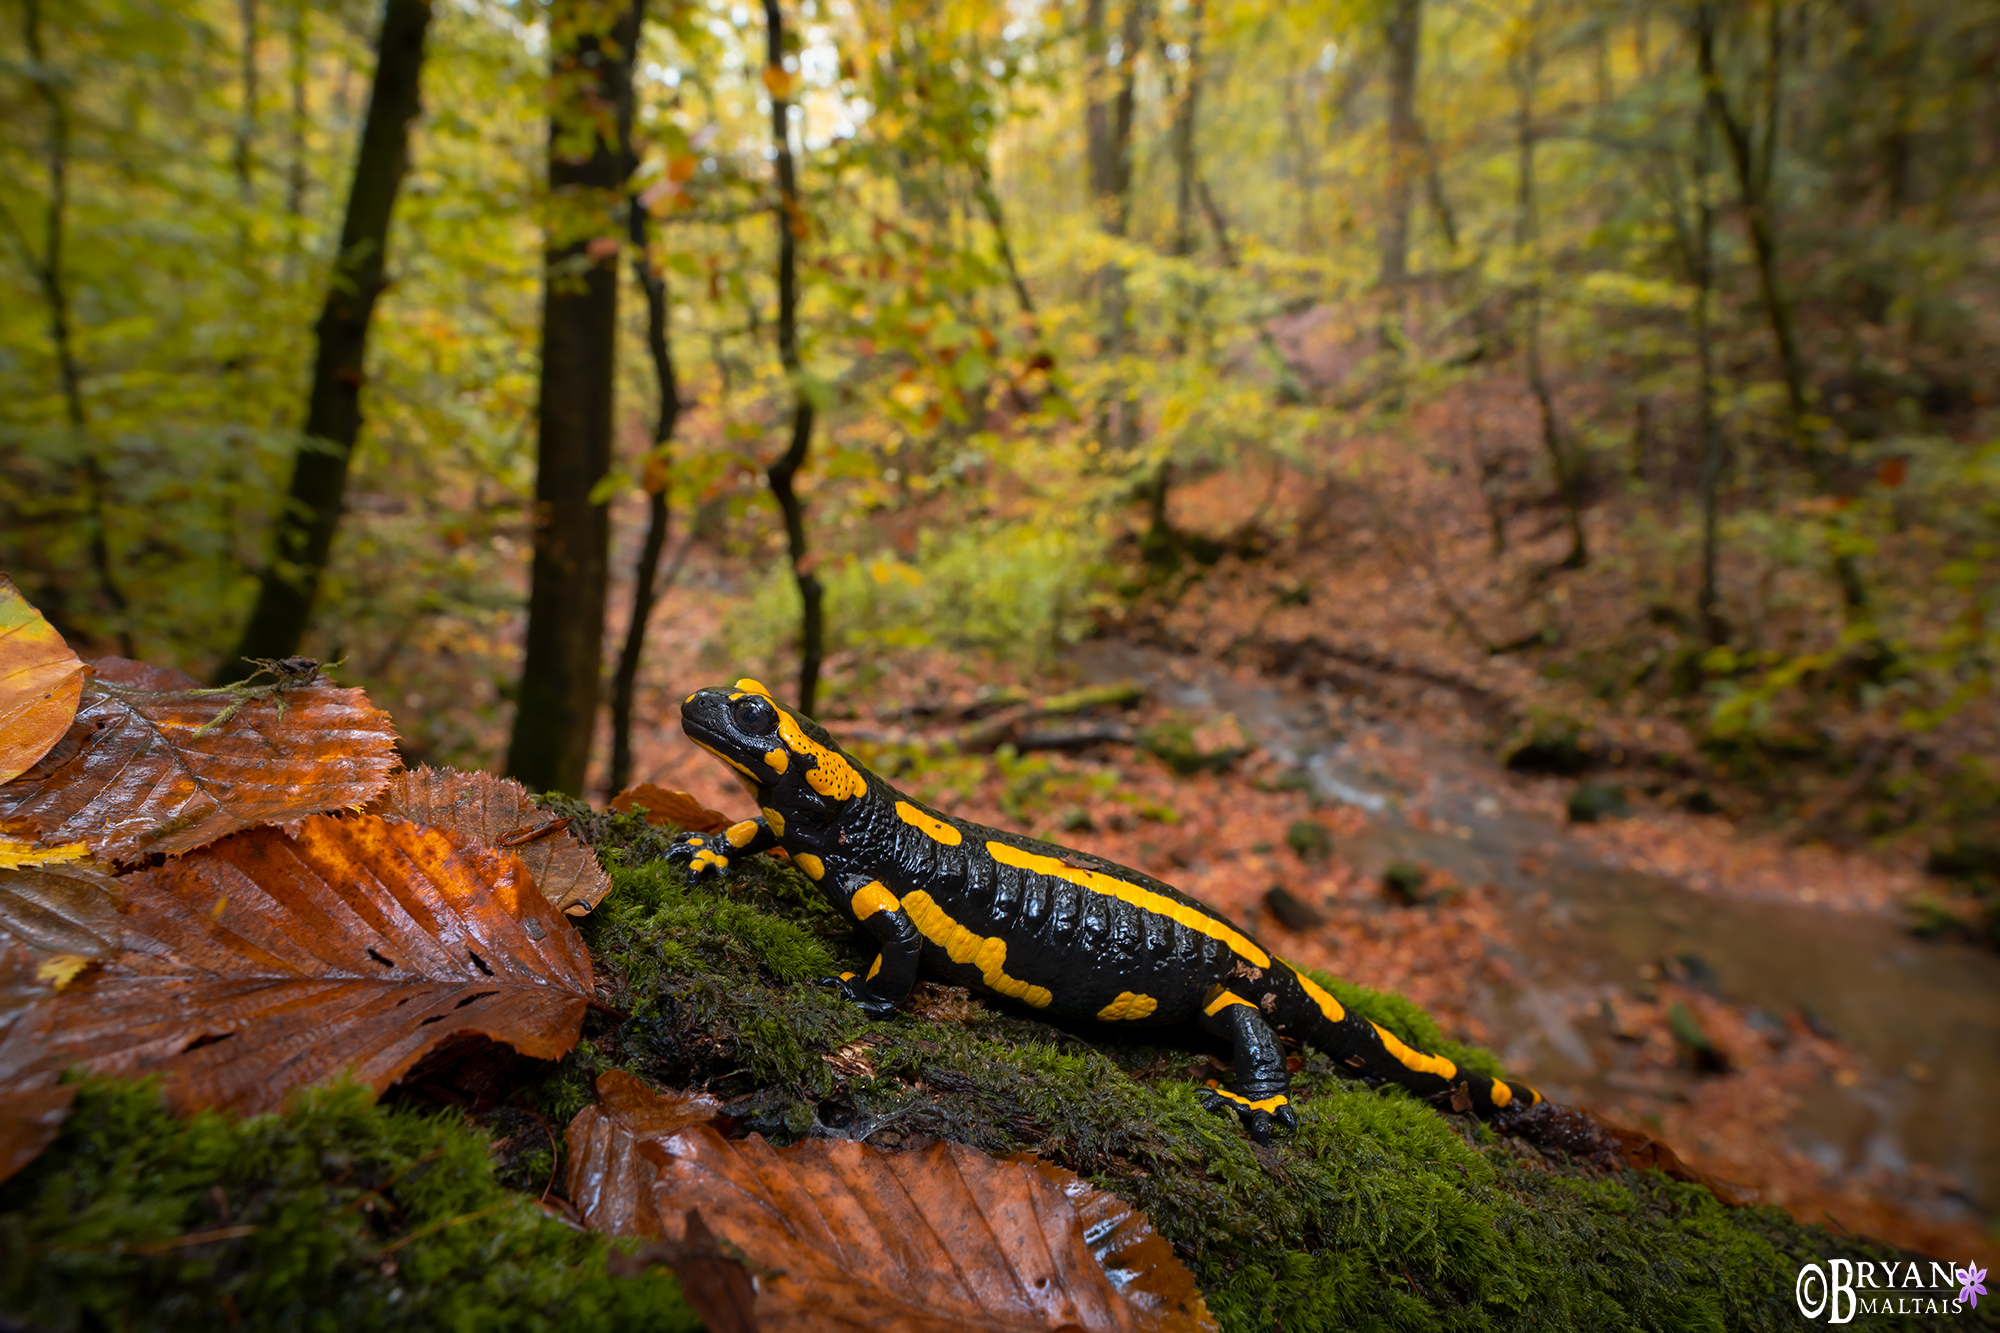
point(1379, 1213)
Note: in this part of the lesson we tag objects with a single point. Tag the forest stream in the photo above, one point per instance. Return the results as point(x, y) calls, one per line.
point(1921, 1016)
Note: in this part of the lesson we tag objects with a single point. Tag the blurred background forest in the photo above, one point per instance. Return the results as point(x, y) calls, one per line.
point(1606, 385)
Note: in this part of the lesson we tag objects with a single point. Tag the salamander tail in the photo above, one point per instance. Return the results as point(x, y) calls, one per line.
point(1372, 1052)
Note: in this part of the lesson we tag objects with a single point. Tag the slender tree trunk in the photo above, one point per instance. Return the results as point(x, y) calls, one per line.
point(783, 474)
point(1186, 109)
point(1527, 236)
point(55, 294)
point(996, 217)
point(295, 172)
point(1405, 39)
point(592, 43)
point(645, 574)
point(1708, 603)
point(246, 123)
point(1108, 132)
point(1753, 187)
point(302, 534)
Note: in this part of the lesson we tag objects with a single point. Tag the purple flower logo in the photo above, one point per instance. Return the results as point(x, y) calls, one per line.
point(1972, 1284)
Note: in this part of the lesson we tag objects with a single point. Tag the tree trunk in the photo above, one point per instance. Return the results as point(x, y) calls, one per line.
point(302, 533)
point(1405, 38)
point(1708, 602)
point(55, 293)
point(1753, 187)
point(1527, 236)
point(783, 474)
point(242, 158)
point(591, 51)
point(1186, 108)
point(645, 574)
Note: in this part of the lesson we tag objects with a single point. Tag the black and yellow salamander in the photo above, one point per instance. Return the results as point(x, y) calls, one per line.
point(1060, 931)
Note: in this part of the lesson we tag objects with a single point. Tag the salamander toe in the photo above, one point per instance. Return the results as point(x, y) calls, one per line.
point(1257, 1117)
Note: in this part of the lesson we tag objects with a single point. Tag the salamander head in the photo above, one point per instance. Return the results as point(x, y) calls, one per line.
point(784, 757)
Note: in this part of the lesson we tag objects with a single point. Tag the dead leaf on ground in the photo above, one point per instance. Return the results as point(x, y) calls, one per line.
point(156, 764)
point(843, 1236)
point(30, 1117)
point(1139, 1260)
point(40, 683)
point(498, 812)
point(670, 807)
point(614, 1158)
point(274, 959)
point(61, 910)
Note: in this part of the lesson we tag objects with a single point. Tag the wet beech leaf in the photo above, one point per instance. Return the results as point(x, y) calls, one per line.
point(31, 1114)
point(613, 1154)
point(157, 764)
point(69, 910)
point(662, 806)
point(843, 1236)
point(1138, 1260)
point(499, 813)
point(40, 683)
point(345, 946)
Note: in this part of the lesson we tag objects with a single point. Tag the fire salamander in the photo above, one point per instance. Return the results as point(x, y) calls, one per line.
point(1060, 931)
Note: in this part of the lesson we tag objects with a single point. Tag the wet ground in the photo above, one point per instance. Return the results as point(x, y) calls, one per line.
point(1922, 1018)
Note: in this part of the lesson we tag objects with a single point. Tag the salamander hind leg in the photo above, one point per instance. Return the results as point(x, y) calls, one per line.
point(1261, 1095)
point(894, 970)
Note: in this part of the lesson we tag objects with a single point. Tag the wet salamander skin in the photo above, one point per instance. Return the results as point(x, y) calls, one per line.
point(1060, 931)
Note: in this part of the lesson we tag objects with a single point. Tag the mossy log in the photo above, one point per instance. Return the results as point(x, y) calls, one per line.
point(1380, 1212)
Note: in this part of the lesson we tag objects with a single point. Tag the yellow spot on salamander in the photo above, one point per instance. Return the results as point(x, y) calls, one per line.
point(690, 698)
point(831, 775)
point(740, 834)
point(937, 828)
point(775, 820)
point(1415, 1059)
point(1223, 1001)
point(812, 865)
point(1502, 1094)
point(1327, 1004)
point(749, 686)
point(872, 898)
point(1097, 882)
point(1268, 1104)
point(875, 967)
point(709, 857)
point(963, 946)
point(779, 760)
point(1128, 1006)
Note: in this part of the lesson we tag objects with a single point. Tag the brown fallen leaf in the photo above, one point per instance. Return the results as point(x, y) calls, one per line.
point(839, 1235)
point(30, 1116)
point(61, 910)
point(1138, 1260)
point(670, 807)
point(274, 959)
point(498, 812)
point(40, 683)
point(161, 765)
point(613, 1155)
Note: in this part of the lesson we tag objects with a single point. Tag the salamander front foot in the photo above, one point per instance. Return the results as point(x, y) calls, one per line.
point(854, 988)
point(1257, 1116)
point(699, 855)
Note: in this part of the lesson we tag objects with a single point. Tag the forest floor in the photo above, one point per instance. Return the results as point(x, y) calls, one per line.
point(1562, 945)
point(1475, 954)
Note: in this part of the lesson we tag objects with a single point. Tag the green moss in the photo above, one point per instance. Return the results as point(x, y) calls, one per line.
point(337, 1215)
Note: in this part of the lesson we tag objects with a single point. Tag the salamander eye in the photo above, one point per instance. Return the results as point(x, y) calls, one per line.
point(755, 716)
